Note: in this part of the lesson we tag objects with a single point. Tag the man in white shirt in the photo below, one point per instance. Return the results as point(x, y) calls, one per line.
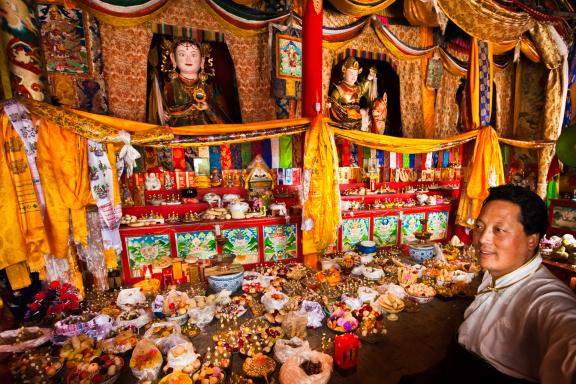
point(521, 327)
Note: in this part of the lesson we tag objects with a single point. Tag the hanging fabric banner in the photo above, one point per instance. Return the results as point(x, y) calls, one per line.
point(236, 150)
point(226, 156)
point(285, 149)
point(267, 152)
point(275, 152)
point(214, 156)
point(102, 184)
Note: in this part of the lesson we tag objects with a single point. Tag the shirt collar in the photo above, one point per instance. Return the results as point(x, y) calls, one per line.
point(518, 274)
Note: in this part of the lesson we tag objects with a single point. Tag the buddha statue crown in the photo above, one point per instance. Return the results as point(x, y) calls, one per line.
point(351, 62)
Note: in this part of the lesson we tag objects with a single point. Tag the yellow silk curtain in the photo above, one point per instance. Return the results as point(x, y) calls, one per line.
point(13, 253)
point(63, 167)
point(486, 171)
point(18, 184)
point(402, 144)
point(321, 207)
point(360, 7)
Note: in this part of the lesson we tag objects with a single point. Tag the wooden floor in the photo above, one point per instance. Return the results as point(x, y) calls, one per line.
point(415, 342)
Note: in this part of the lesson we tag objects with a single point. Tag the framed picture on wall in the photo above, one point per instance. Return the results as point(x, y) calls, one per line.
point(289, 57)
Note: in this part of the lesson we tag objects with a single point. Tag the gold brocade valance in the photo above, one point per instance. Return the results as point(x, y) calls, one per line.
point(402, 144)
point(102, 128)
point(486, 20)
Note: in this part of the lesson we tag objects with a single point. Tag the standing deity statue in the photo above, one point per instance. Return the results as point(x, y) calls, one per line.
point(351, 100)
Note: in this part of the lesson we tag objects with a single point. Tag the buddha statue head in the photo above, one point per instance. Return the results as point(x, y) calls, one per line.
point(350, 70)
point(188, 58)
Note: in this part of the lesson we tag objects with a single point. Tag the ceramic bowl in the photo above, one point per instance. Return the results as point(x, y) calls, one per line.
point(421, 252)
point(231, 282)
point(367, 247)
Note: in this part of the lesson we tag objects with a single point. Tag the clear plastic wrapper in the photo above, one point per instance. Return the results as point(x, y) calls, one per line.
point(292, 372)
point(182, 357)
point(366, 294)
point(314, 312)
point(130, 297)
point(201, 316)
point(146, 360)
point(274, 300)
point(284, 349)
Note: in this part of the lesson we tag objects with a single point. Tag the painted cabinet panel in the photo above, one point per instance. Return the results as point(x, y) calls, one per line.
point(201, 244)
point(243, 243)
point(437, 225)
point(385, 231)
point(144, 250)
point(411, 224)
point(280, 242)
point(354, 231)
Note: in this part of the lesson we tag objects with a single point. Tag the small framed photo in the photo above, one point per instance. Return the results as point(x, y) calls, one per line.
point(201, 166)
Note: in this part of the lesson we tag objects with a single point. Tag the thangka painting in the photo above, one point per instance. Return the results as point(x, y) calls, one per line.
point(200, 244)
point(280, 242)
point(437, 225)
point(410, 225)
point(243, 243)
point(143, 250)
point(63, 39)
point(353, 232)
point(289, 56)
point(386, 231)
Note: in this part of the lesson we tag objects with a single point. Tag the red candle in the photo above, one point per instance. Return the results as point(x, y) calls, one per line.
point(346, 353)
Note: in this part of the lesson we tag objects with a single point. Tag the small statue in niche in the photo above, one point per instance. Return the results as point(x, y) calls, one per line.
point(152, 182)
point(188, 98)
point(168, 181)
point(215, 177)
point(352, 102)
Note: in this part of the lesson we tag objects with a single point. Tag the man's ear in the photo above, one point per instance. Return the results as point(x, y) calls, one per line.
point(533, 241)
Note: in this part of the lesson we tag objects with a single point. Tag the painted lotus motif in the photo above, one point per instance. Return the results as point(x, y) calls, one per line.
point(201, 244)
point(411, 224)
point(386, 231)
point(437, 225)
point(354, 231)
point(243, 243)
point(280, 242)
point(143, 250)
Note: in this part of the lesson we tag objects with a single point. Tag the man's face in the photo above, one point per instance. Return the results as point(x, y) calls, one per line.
point(351, 75)
point(188, 59)
point(499, 239)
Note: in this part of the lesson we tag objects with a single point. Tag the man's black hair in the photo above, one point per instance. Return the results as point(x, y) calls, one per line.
point(533, 212)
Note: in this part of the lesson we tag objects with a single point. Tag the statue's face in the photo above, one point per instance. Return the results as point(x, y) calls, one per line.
point(351, 75)
point(188, 59)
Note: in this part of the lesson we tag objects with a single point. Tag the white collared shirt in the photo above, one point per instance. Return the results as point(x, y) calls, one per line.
point(525, 326)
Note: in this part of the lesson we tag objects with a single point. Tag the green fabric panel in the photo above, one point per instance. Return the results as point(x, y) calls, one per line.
point(246, 153)
point(285, 146)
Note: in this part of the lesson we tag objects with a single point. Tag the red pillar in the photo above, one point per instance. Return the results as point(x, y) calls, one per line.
point(312, 58)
